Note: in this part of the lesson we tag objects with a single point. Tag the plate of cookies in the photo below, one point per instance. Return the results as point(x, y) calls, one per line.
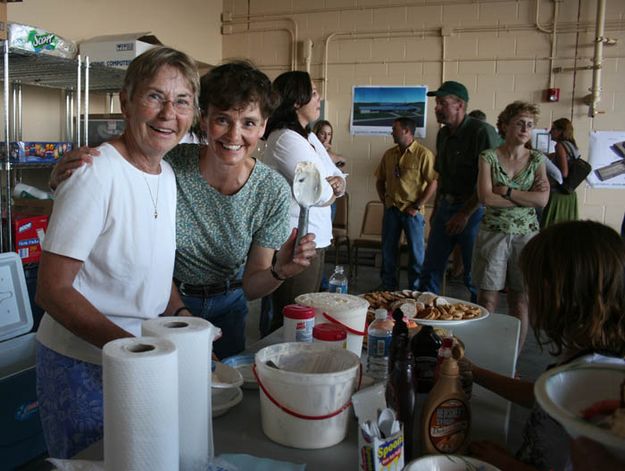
point(427, 308)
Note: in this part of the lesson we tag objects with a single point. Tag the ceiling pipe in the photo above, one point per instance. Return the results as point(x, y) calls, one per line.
point(595, 91)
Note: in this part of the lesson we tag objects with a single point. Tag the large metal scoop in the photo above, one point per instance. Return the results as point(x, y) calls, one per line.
point(307, 193)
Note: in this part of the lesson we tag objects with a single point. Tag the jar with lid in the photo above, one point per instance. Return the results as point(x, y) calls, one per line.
point(298, 323)
point(330, 335)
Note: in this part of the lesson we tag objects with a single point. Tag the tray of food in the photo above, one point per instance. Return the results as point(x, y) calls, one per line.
point(427, 308)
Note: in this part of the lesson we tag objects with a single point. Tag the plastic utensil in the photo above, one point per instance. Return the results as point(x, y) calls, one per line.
point(307, 192)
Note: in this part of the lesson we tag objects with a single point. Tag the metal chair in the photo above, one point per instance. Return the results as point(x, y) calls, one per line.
point(370, 232)
point(340, 229)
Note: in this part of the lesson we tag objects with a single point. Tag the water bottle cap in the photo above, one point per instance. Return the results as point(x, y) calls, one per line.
point(338, 269)
point(381, 313)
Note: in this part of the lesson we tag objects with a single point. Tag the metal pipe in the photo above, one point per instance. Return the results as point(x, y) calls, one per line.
point(595, 91)
point(5, 158)
point(78, 101)
point(87, 101)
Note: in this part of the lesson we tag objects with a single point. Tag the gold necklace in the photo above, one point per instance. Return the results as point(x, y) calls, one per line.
point(154, 202)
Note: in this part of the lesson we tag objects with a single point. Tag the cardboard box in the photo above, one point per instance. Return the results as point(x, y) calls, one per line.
point(380, 454)
point(28, 235)
point(3, 20)
point(117, 50)
point(37, 151)
point(32, 207)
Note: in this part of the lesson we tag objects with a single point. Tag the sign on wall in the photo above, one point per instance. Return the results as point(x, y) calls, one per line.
point(374, 108)
point(607, 158)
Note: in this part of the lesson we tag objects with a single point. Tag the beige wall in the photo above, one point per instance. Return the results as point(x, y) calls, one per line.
point(192, 26)
point(494, 47)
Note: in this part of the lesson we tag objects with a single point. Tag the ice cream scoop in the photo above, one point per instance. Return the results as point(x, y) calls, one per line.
point(307, 188)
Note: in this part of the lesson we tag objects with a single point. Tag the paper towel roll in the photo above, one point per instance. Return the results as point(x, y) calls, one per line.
point(140, 378)
point(193, 337)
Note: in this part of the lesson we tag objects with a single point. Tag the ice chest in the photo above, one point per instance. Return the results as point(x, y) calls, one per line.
point(21, 437)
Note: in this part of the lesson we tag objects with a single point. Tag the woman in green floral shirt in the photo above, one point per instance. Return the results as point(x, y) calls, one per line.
point(512, 182)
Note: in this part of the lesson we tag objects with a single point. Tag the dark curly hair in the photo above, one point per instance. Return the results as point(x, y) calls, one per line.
point(236, 84)
point(575, 278)
point(294, 89)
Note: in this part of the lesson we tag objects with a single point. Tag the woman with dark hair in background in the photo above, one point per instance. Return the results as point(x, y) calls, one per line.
point(561, 206)
point(289, 141)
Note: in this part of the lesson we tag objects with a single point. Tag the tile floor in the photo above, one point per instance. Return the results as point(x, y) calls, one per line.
point(531, 363)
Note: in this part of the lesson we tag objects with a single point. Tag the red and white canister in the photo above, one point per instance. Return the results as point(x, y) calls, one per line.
point(331, 335)
point(298, 323)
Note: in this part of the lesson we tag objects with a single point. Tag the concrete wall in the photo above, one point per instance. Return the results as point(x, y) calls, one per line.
point(494, 47)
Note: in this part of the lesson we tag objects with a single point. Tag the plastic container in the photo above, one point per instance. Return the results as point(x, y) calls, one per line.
point(338, 281)
point(342, 309)
point(314, 384)
point(330, 335)
point(298, 323)
point(379, 336)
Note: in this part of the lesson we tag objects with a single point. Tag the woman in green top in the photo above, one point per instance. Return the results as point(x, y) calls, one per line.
point(512, 182)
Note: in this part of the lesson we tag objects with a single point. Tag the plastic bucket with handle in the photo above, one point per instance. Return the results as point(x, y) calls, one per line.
point(306, 392)
point(342, 309)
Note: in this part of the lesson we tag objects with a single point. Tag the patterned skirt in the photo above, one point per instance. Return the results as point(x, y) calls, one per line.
point(69, 392)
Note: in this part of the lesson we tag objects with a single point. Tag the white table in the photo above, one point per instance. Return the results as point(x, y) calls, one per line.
point(491, 343)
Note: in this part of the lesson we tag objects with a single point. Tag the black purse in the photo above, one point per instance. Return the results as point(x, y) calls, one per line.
point(578, 169)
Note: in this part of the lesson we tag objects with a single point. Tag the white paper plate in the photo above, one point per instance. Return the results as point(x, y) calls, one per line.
point(244, 364)
point(441, 323)
point(565, 391)
point(448, 463)
point(225, 399)
point(224, 376)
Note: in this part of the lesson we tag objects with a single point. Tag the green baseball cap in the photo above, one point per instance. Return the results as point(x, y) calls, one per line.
point(451, 88)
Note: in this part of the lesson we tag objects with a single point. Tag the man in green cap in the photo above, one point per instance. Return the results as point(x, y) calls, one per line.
point(457, 211)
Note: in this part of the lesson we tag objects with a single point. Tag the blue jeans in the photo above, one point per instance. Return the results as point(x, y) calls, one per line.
point(440, 245)
point(226, 311)
point(393, 223)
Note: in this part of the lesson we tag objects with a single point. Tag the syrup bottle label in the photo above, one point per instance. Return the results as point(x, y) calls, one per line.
point(448, 426)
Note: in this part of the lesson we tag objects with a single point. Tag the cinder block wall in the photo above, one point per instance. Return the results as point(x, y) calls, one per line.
point(497, 48)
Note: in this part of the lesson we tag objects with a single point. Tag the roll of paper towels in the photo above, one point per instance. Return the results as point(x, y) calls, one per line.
point(193, 337)
point(140, 378)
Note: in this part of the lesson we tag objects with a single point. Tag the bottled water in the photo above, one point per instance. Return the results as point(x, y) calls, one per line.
point(338, 281)
point(379, 337)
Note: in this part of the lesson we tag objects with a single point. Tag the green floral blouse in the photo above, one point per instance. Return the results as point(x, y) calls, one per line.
point(519, 220)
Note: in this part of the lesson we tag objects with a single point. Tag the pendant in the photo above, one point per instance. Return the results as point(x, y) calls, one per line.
point(155, 214)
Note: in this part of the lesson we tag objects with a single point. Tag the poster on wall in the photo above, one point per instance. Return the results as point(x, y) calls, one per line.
point(541, 140)
point(374, 108)
point(607, 158)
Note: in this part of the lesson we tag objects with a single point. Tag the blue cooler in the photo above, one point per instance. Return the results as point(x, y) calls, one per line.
point(21, 437)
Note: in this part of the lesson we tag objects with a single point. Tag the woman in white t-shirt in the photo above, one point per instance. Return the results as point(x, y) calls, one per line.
point(289, 141)
point(109, 250)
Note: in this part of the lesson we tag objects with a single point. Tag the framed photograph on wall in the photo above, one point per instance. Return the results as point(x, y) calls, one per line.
point(374, 108)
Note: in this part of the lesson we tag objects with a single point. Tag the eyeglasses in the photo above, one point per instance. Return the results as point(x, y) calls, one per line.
point(157, 102)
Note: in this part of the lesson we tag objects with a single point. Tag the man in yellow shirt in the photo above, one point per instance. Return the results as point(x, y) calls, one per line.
point(406, 180)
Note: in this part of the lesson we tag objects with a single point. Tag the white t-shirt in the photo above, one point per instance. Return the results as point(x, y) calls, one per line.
point(285, 148)
point(104, 216)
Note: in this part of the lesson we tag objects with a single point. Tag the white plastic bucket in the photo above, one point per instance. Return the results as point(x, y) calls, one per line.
point(305, 401)
point(343, 309)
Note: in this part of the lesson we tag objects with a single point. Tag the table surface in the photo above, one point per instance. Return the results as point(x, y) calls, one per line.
point(491, 343)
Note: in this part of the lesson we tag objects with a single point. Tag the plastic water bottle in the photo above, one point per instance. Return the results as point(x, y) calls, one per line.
point(338, 281)
point(379, 337)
